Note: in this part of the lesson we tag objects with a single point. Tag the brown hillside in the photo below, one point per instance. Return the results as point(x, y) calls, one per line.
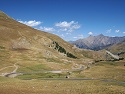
point(35, 50)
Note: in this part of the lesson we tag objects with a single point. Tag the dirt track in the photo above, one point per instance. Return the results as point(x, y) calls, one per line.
point(14, 71)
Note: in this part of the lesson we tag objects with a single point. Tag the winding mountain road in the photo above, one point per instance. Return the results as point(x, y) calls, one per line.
point(16, 67)
point(13, 72)
point(6, 68)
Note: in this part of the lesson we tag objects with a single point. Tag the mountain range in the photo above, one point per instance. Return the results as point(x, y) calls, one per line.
point(98, 42)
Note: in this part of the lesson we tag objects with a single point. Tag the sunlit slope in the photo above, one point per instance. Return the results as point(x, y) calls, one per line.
point(34, 50)
point(118, 49)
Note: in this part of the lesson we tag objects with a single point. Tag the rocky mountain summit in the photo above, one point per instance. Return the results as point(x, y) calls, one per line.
point(97, 42)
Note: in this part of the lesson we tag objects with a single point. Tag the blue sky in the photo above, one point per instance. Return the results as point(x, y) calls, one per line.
point(70, 19)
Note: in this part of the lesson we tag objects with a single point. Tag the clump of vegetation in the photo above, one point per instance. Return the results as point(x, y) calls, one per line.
point(62, 50)
point(59, 48)
point(1, 47)
point(120, 53)
point(70, 55)
point(121, 58)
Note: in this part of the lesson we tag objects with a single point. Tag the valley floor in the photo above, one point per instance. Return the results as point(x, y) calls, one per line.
point(112, 73)
point(16, 86)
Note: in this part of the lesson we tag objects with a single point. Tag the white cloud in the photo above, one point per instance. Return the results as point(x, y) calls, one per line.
point(109, 31)
point(117, 31)
point(64, 24)
point(67, 26)
point(123, 32)
point(48, 29)
point(90, 33)
point(75, 37)
point(76, 26)
point(62, 35)
point(31, 23)
point(68, 33)
point(79, 37)
point(62, 29)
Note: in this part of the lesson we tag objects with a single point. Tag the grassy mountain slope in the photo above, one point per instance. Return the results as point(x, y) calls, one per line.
point(118, 49)
point(34, 50)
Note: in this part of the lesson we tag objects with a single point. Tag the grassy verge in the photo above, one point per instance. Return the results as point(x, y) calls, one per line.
point(32, 67)
point(106, 70)
point(42, 75)
point(16, 86)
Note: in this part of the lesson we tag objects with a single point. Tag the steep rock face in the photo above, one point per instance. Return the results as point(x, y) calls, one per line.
point(97, 42)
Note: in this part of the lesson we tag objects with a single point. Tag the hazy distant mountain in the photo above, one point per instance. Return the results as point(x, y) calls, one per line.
point(97, 42)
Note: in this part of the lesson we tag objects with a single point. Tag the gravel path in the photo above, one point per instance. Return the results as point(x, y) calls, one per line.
point(13, 72)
